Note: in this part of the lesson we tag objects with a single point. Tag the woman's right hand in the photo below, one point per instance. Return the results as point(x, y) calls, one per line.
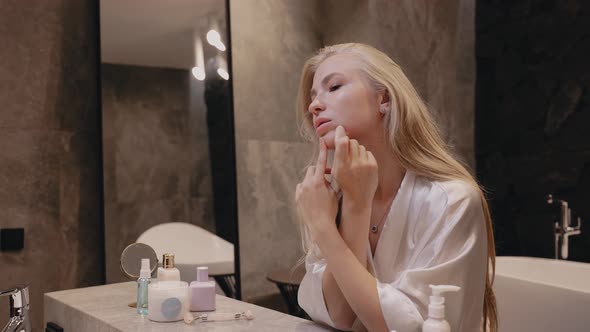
point(316, 202)
point(355, 169)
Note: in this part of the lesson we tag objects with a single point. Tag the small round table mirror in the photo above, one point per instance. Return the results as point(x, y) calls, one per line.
point(131, 259)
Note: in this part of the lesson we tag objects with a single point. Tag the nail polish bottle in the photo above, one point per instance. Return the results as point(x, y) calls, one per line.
point(202, 291)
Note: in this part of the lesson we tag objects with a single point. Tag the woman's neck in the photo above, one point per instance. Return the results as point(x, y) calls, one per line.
point(391, 172)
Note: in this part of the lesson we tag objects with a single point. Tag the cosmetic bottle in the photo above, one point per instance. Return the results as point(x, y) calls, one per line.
point(142, 286)
point(202, 291)
point(168, 272)
point(436, 309)
point(168, 301)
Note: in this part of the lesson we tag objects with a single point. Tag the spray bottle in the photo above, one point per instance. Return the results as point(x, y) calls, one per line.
point(436, 309)
point(142, 286)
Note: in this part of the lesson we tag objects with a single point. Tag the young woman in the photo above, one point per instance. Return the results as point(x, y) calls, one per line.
point(410, 214)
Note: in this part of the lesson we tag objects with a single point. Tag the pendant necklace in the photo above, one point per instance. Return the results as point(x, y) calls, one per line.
point(375, 228)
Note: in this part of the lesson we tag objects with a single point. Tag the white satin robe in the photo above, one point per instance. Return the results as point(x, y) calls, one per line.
point(435, 233)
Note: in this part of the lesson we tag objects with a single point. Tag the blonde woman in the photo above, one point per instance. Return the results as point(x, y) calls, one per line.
point(410, 214)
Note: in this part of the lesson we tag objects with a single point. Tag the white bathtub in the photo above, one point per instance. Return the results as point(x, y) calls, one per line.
point(538, 294)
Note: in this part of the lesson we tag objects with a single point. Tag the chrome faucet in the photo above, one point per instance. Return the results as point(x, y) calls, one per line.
point(20, 320)
point(563, 229)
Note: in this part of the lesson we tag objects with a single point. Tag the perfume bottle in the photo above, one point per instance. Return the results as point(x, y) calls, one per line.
point(202, 291)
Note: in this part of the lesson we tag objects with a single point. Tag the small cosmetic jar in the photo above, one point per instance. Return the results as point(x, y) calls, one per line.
point(168, 301)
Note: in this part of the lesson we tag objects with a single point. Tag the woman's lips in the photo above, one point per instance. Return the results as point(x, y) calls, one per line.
point(322, 128)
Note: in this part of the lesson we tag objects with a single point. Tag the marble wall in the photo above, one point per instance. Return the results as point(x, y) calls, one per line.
point(50, 166)
point(156, 154)
point(271, 40)
point(432, 41)
point(534, 84)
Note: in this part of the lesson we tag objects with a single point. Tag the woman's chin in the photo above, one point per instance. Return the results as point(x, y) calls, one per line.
point(329, 139)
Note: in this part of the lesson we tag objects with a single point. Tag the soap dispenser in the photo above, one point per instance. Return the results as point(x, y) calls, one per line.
point(436, 309)
point(168, 272)
point(202, 291)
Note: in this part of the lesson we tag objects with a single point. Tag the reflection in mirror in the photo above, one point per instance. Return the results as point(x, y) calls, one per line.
point(167, 126)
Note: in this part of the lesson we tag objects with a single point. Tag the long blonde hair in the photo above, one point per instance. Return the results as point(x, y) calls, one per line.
point(413, 135)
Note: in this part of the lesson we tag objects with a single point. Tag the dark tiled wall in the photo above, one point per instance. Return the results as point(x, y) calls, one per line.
point(533, 119)
point(156, 154)
point(50, 178)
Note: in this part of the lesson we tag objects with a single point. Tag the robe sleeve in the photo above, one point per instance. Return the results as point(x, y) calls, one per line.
point(310, 295)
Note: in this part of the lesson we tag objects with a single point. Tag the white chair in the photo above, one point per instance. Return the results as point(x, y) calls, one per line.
point(194, 246)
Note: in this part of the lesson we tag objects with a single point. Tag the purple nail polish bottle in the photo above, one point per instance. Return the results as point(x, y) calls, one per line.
point(202, 291)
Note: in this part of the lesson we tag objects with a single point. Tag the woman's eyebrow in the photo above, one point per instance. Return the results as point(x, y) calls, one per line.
point(324, 81)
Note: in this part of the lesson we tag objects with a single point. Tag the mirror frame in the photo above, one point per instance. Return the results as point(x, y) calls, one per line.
point(233, 234)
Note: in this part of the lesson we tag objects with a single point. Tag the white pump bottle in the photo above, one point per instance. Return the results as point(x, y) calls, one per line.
point(436, 309)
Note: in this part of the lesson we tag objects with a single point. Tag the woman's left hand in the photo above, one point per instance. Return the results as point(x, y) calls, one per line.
point(316, 201)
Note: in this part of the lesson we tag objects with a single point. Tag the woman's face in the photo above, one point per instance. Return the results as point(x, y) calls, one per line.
point(341, 95)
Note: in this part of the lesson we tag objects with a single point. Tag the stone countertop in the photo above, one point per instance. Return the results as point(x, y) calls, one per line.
point(105, 309)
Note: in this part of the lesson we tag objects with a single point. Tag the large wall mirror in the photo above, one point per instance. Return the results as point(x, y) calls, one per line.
point(168, 139)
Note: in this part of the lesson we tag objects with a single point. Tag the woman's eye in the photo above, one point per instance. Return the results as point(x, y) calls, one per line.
point(334, 87)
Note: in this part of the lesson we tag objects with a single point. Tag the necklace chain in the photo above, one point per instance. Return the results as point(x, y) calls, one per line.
point(375, 228)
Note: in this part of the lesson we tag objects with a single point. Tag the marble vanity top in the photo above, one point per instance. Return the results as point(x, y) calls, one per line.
point(105, 309)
